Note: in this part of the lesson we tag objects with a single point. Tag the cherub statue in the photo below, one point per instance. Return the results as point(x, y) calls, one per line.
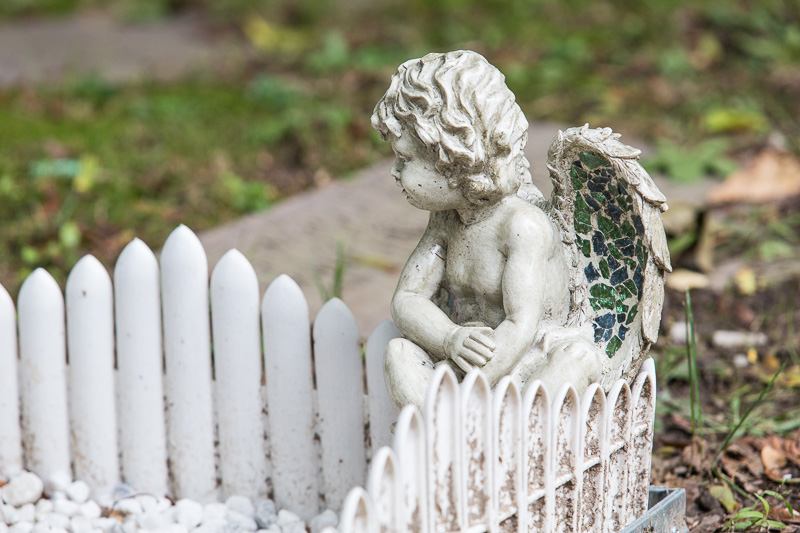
point(568, 289)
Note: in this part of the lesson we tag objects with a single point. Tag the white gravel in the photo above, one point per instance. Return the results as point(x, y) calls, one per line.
point(26, 508)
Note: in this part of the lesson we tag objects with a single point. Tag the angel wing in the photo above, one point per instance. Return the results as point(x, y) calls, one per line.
point(609, 211)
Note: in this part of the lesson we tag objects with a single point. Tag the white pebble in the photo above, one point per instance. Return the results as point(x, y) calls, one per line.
point(66, 507)
point(90, 509)
point(171, 528)
point(241, 521)
point(213, 511)
point(241, 504)
point(266, 514)
point(188, 513)
point(8, 514)
point(204, 529)
point(41, 527)
point(21, 527)
point(327, 518)
point(57, 521)
point(123, 490)
point(3, 527)
point(24, 488)
point(128, 505)
point(294, 527)
point(740, 360)
point(56, 529)
point(738, 339)
point(78, 491)
point(27, 513)
point(59, 481)
point(153, 520)
point(147, 501)
point(106, 524)
point(80, 524)
point(130, 526)
point(43, 508)
point(287, 517)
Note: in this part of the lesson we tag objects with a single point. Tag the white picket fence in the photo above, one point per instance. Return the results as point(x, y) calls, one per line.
point(479, 460)
point(279, 408)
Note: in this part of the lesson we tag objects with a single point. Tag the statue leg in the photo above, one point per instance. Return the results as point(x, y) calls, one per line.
point(407, 369)
point(577, 362)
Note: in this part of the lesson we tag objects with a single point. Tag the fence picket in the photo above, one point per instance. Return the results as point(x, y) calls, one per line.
point(566, 447)
point(290, 397)
point(187, 350)
point(383, 486)
point(536, 420)
point(92, 404)
point(445, 479)
point(358, 513)
point(478, 449)
point(508, 457)
point(409, 443)
point(235, 317)
point(593, 439)
point(644, 405)
point(140, 374)
point(340, 388)
point(10, 436)
point(43, 384)
point(381, 411)
point(618, 423)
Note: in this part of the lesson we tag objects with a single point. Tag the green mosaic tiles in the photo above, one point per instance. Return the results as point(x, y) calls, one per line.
point(611, 239)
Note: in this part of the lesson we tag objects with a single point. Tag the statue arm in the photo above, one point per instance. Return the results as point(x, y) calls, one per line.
point(413, 311)
point(530, 240)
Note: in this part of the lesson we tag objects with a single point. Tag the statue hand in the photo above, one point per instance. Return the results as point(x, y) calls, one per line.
point(470, 346)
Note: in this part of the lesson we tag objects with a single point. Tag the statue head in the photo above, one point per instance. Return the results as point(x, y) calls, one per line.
point(459, 108)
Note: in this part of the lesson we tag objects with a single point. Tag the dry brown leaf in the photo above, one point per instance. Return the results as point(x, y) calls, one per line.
point(773, 460)
point(772, 175)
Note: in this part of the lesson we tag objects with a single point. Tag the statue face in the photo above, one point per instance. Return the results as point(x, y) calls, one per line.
point(424, 186)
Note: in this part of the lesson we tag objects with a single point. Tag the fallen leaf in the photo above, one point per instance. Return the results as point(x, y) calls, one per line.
point(745, 280)
point(772, 175)
point(682, 279)
point(724, 494)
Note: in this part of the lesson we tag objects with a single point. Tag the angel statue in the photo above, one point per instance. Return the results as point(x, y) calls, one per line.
point(566, 289)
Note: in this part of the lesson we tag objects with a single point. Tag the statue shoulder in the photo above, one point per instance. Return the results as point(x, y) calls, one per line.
point(529, 223)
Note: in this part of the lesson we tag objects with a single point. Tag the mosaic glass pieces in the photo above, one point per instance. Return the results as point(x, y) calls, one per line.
point(610, 236)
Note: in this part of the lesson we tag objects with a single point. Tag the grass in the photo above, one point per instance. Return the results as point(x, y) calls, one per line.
point(87, 165)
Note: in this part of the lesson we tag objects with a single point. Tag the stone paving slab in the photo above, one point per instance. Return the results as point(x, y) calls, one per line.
point(377, 227)
point(39, 51)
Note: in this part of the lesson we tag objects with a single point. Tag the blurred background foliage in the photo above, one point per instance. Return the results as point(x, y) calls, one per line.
point(86, 164)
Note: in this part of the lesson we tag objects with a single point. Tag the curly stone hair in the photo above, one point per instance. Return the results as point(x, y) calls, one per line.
point(460, 108)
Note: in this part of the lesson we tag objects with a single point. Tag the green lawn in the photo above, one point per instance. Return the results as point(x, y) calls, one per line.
point(87, 165)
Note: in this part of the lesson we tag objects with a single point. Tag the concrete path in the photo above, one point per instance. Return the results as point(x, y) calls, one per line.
point(39, 51)
point(377, 227)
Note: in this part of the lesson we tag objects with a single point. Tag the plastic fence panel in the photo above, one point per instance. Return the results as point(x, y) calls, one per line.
point(43, 384)
point(410, 445)
point(445, 479)
point(537, 437)
point(618, 424)
point(477, 449)
point(644, 405)
point(565, 459)
point(290, 397)
point(358, 513)
point(90, 345)
point(140, 369)
point(384, 487)
point(187, 350)
point(508, 457)
point(236, 328)
point(340, 390)
point(593, 441)
point(381, 411)
point(11, 436)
